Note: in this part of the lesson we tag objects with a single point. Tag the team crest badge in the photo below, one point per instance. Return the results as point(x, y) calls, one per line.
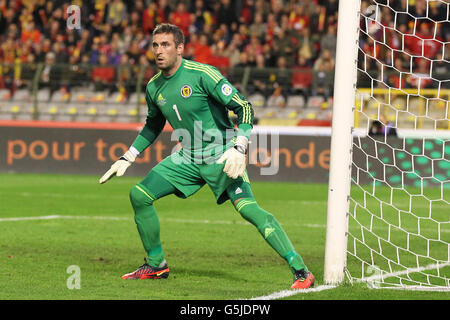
point(186, 91)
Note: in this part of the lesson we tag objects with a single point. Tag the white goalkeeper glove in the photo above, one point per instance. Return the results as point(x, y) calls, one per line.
point(119, 167)
point(234, 158)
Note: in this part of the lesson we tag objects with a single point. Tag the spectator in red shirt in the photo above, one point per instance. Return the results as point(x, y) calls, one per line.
point(432, 44)
point(424, 43)
point(415, 43)
point(30, 32)
point(189, 47)
point(301, 78)
point(271, 28)
point(164, 11)
point(202, 51)
point(218, 58)
point(103, 74)
point(181, 18)
point(298, 19)
point(150, 18)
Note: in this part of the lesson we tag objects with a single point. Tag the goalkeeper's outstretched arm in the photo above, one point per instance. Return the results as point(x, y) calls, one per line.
point(153, 126)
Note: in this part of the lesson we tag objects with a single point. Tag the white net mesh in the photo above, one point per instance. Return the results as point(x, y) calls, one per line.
point(399, 218)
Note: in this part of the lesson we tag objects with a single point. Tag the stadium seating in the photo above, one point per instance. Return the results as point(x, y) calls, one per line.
point(280, 75)
point(82, 102)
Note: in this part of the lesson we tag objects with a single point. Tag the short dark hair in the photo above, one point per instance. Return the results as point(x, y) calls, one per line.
point(178, 35)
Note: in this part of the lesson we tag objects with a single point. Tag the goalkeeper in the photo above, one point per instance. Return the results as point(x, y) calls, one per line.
point(195, 98)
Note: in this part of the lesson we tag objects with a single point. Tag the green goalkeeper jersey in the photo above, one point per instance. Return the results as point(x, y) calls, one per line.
point(195, 100)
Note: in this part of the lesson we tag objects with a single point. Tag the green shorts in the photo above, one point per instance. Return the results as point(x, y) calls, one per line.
point(188, 178)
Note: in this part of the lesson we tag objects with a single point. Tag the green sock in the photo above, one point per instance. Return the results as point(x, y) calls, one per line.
point(295, 261)
point(147, 223)
point(272, 232)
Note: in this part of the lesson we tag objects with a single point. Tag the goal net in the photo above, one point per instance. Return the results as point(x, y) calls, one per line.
point(398, 218)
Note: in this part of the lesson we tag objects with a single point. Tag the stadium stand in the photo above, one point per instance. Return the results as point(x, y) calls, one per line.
point(279, 53)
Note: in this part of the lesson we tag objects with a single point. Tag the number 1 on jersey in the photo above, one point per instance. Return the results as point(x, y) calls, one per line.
point(176, 111)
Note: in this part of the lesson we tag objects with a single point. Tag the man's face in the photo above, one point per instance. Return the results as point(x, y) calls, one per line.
point(165, 52)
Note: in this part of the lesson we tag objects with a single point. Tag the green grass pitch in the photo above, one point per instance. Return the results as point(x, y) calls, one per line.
point(212, 252)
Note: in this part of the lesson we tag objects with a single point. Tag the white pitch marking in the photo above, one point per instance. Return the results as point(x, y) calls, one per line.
point(178, 220)
point(288, 293)
point(56, 216)
point(381, 277)
point(30, 218)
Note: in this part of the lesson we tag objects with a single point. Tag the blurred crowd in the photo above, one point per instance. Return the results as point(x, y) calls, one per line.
point(288, 44)
point(407, 47)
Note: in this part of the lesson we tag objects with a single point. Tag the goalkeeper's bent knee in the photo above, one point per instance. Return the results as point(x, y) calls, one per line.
point(140, 197)
point(270, 229)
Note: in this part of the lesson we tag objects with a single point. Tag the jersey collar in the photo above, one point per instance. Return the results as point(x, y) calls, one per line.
point(176, 72)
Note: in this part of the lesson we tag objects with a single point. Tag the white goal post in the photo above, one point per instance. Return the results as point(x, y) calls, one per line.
point(341, 141)
point(388, 211)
